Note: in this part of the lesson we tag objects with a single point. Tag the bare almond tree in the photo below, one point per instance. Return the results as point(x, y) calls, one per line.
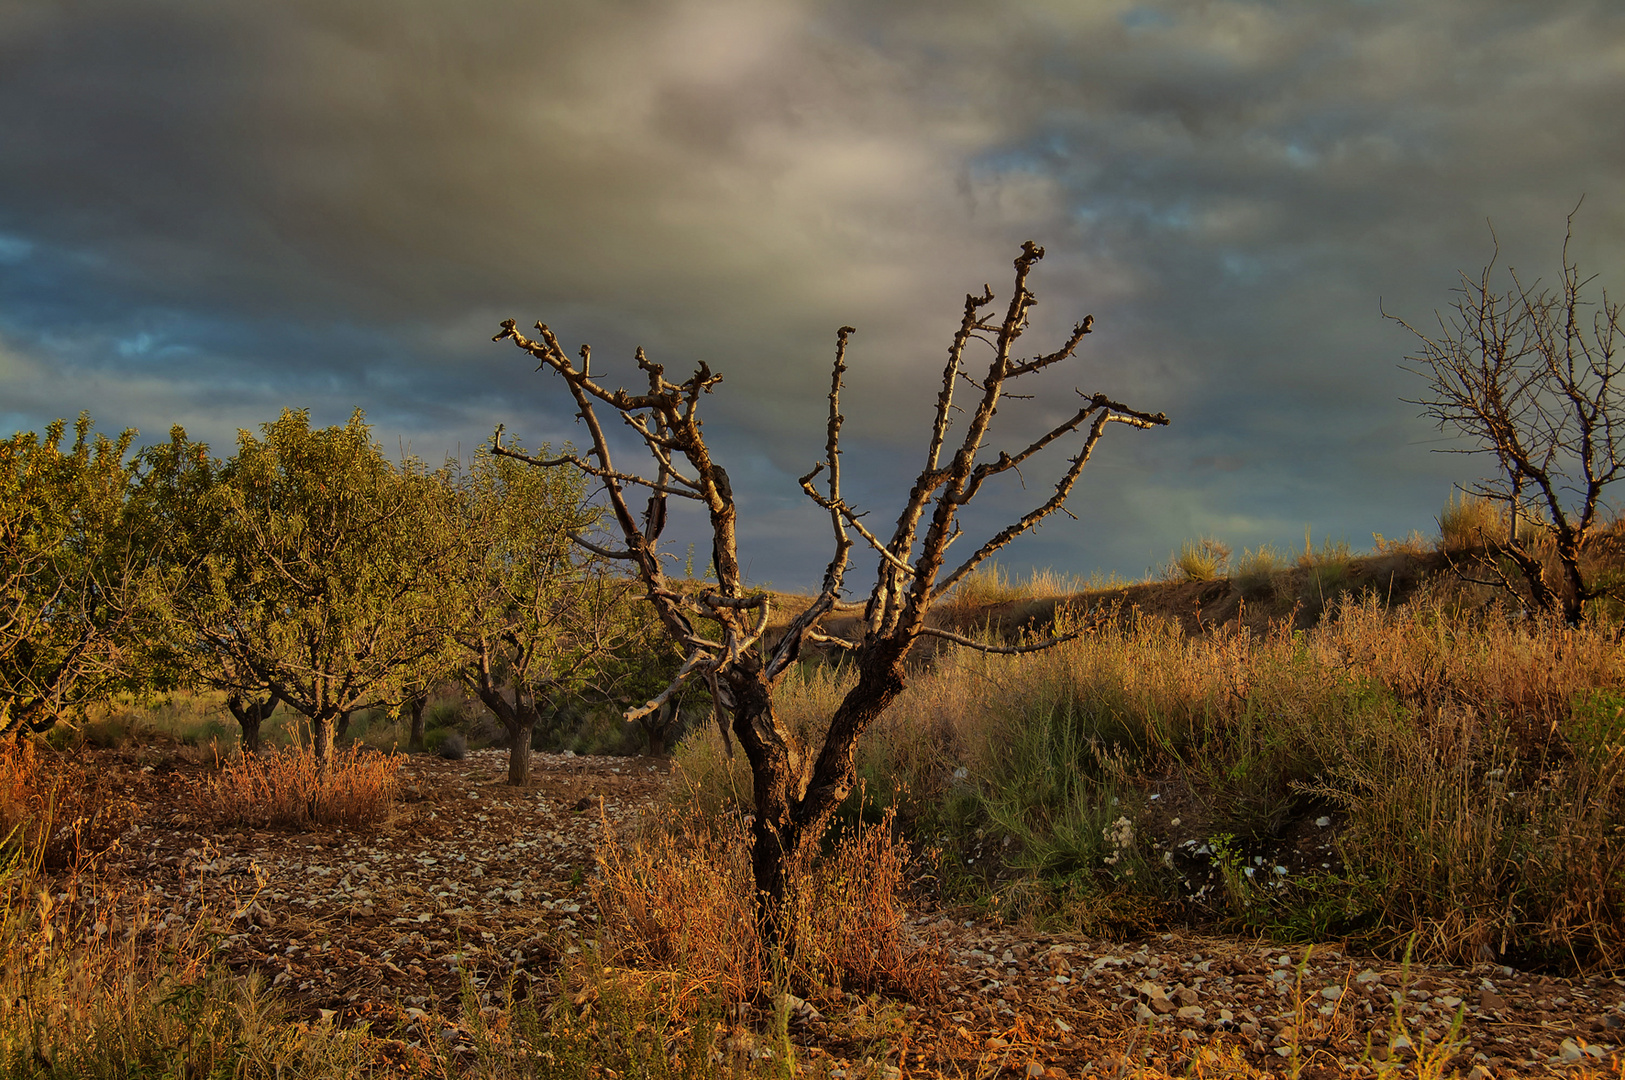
point(1532, 377)
point(720, 629)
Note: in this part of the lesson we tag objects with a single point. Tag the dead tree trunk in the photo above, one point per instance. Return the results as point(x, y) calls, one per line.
point(1533, 378)
point(798, 788)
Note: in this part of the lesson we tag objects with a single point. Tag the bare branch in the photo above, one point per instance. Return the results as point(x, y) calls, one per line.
point(592, 470)
point(696, 661)
point(1001, 650)
point(602, 552)
point(1115, 413)
point(851, 518)
point(822, 638)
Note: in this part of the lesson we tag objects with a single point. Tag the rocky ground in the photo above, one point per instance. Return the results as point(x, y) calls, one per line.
point(475, 884)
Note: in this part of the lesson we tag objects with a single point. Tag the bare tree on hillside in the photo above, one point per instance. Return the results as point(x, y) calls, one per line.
point(720, 629)
point(1532, 377)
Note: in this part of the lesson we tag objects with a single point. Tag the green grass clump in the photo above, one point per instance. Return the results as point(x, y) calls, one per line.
point(1204, 559)
point(1256, 570)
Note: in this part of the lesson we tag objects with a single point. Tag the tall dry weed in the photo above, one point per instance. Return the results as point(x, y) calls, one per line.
point(55, 810)
point(680, 900)
point(287, 788)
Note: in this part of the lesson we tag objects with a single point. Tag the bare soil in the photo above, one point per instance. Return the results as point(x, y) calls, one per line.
point(475, 884)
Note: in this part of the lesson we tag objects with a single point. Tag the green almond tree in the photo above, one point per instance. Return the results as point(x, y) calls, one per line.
point(177, 512)
point(544, 618)
point(70, 568)
point(310, 569)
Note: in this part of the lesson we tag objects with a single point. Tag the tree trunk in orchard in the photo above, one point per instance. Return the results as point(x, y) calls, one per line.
point(321, 742)
point(518, 719)
point(415, 707)
point(519, 737)
point(250, 713)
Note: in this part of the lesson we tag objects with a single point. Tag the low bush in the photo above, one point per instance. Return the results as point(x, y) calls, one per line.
point(287, 789)
point(1256, 571)
point(1328, 571)
point(450, 745)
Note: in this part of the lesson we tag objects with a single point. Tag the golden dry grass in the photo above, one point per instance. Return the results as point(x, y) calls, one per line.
point(288, 789)
point(54, 812)
point(1474, 757)
point(679, 900)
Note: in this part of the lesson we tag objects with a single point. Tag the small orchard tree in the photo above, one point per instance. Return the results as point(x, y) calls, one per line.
point(540, 614)
point(310, 573)
point(797, 788)
point(1532, 377)
point(175, 506)
point(70, 571)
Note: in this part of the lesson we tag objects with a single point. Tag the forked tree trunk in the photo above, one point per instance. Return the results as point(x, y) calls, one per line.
point(250, 713)
point(518, 719)
point(795, 799)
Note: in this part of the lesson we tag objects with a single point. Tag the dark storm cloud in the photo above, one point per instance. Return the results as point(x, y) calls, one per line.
point(210, 211)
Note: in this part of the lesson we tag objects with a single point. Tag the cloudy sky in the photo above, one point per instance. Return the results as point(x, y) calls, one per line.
point(210, 212)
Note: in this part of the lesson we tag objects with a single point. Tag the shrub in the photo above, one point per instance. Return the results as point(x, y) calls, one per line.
point(1328, 571)
point(1256, 570)
point(1199, 560)
point(1468, 522)
point(287, 788)
point(443, 714)
point(451, 745)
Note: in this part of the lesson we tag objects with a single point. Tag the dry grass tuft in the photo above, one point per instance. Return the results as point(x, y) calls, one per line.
point(1205, 559)
point(679, 900)
point(285, 788)
point(1468, 522)
point(54, 812)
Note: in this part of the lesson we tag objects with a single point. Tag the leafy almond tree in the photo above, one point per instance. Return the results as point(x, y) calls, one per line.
point(177, 510)
point(70, 568)
point(543, 618)
point(312, 571)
